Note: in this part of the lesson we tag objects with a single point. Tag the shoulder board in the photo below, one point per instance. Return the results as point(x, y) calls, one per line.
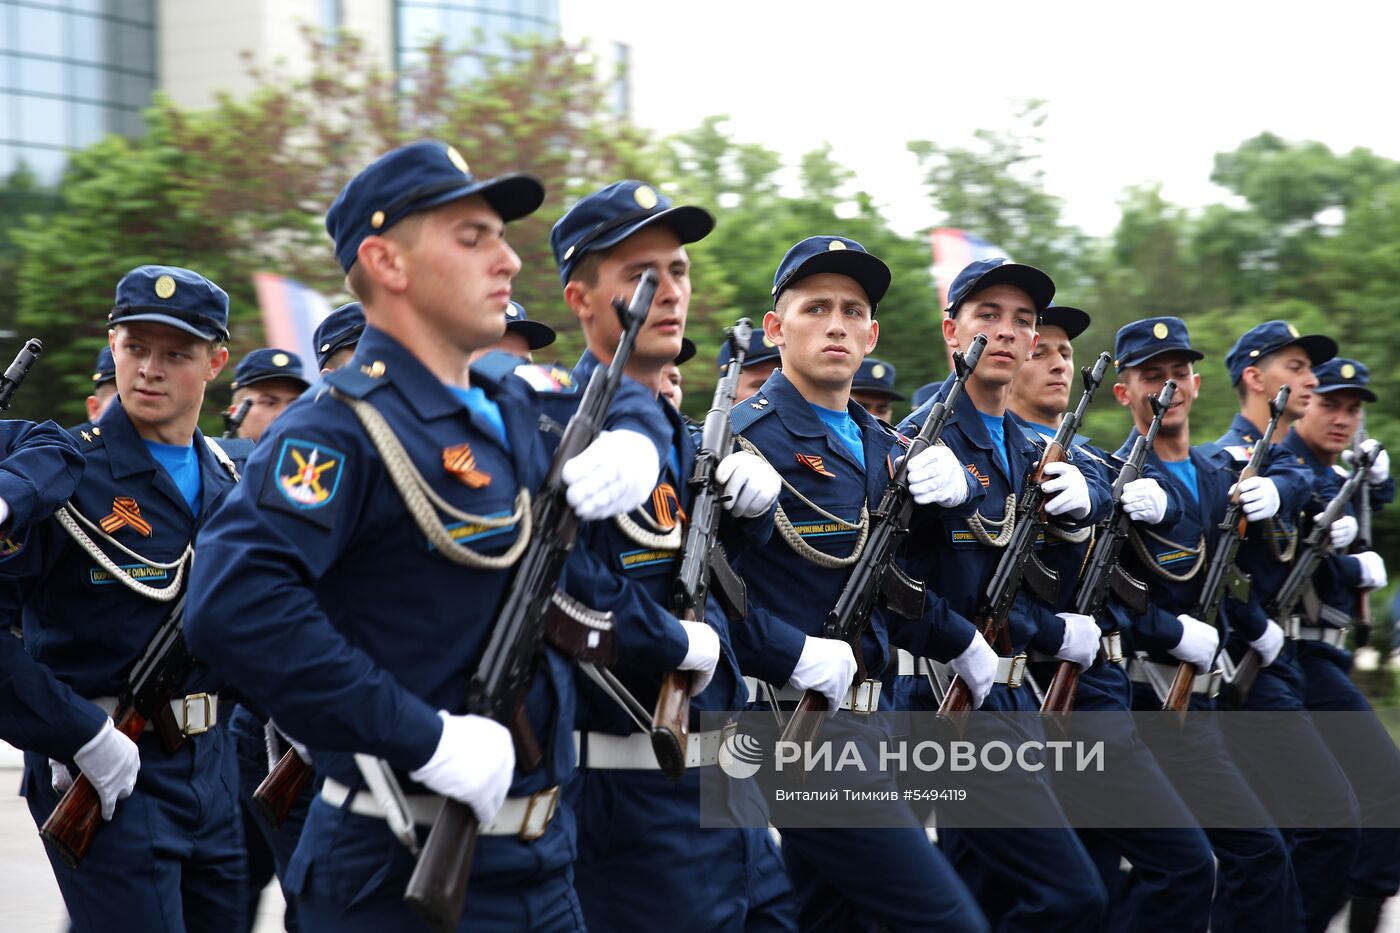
point(87, 436)
point(354, 382)
point(553, 379)
point(748, 411)
point(494, 366)
point(1211, 449)
point(1239, 452)
point(1032, 435)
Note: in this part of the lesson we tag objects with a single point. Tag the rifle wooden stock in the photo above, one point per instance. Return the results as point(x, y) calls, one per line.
point(670, 723)
point(438, 885)
point(806, 722)
point(1179, 695)
point(279, 791)
point(70, 827)
point(1059, 696)
point(957, 702)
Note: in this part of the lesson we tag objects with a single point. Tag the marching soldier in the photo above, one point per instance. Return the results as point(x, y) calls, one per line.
point(634, 822)
point(104, 386)
point(522, 337)
point(1264, 359)
point(759, 364)
point(834, 460)
point(1320, 437)
point(1057, 885)
point(671, 377)
point(1173, 871)
point(272, 379)
point(357, 622)
point(1255, 884)
point(337, 336)
point(874, 388)
point(98, 580)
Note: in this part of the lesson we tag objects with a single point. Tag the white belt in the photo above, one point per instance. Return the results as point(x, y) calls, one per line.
point(864, 697)
point(1204, 685)
point(1010, 671)
point(1291, 626)
point(1336, 637)
point(634, 752)
point(194, 714)
point(526, 817)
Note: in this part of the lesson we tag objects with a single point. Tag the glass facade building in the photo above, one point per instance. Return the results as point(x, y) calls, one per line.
point(70, 72)
point(482, 25)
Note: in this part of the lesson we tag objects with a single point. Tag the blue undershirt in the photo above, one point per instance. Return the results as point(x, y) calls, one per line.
point(996, 428)
point(845, 428)
point(484, 409)
point(1185, 471)
point(180, 461)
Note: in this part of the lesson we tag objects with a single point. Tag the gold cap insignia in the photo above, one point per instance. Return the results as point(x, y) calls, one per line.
point(1292, 331)
point(767, 342)
point(376, 220)
point(459, 163)
point(96, 376)
point(281, 359)
point(325, 347)
point(568, 252)
point(1253, 353)
point(835, 244)
point(511, 312)
point(645, 197)
point(774, 291)
point(879, 371)
point(1159, 330)
point(165, 286)
point(1348, 371)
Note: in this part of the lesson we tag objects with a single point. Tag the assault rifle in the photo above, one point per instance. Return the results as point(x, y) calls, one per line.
point(1016, 562)
point(702, 563)
point(1363, 540)
point(876, 575)
point(234, 420)
point(17, 370)
point(151, 685)
point(1222, 576)
point(438, 884)
point(1102, 572)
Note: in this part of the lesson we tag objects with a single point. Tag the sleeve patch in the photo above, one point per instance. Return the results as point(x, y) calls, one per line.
point(305, 480)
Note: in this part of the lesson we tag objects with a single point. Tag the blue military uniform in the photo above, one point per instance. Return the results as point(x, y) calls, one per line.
point(90, 608)
point(1326, 663)
point(1321, 858)
point(633, 819)
point(1173, 871)
point(353, 623)
point(1255, 884)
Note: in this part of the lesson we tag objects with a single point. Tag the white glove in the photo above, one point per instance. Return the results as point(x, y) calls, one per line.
point(1343, 532)
point(977, 666)
point(750, 485)
point(828, 666)
point(110, 761)
point(1259, 496)
point(612, 476)
point(936, 477)
point(474, 763)
point(1081, 644)
point(62, 778)
point(1198, 643)
point(1372, 570)
point(1380, 468)
point(1269, 644)
point(1144, 500)
point(702, 656)
point(1067, 493)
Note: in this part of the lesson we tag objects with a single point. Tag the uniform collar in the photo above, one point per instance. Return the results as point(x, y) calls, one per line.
point(1299, 448)
point(793, 409)
point(423, 391)
point(128, 455)
point(1246, 430)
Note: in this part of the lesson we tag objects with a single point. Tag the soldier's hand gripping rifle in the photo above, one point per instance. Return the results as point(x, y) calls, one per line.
point(1363, 539)
point(1103, 574)
point(438, 885)
point(151, 685)
point(1223, 577)
point(234, 420)
point(1297, 588)
point(1016, 563)
point(702, 560)
point(17, 370)
point(875, 574)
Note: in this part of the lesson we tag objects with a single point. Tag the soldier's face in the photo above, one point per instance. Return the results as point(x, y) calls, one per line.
point(512, 342)
point(1290, 367)
point(752, 378)
point(878, 405)
point(100, 400)
point(1046, 379)
point(659, 342)
point(270, 398)
point(458, 273)
point(1139, 382)
point(162, 371)
point(671, 385)
point(1007, 316)
point(825, 329)
point(1330, 421)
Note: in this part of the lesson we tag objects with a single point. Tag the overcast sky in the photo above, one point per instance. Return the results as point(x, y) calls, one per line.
point(1137, 92)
